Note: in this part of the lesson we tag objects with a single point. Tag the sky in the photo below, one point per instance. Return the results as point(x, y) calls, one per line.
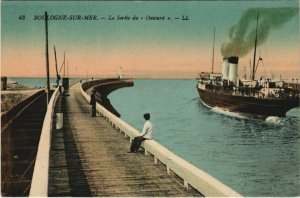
point(169, 48)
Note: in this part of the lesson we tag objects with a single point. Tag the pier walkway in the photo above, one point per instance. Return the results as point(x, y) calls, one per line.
point(88, 157)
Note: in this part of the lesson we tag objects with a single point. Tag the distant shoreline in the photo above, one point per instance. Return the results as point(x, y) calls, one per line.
point(10, 98)
point(180, 76)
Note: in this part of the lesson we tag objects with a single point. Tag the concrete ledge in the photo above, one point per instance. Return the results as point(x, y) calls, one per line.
point(198, 179)
point(39, 183)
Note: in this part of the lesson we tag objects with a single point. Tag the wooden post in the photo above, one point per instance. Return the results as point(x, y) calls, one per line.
point(168, 170)
point(47, 58)
point(186, 184)
point(57, 75)
point(155, 160)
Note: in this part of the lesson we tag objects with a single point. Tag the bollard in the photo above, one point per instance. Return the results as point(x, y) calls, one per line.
point(186, 185)
point(168, 170)
point(59, 120)
point(155, 160)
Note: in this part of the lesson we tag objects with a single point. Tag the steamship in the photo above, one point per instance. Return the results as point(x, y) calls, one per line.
point(255, 98)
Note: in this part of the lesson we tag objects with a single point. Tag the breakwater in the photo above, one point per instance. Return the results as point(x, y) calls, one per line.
point(104, 87)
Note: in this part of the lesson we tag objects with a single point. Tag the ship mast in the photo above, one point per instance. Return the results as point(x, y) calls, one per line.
point(213, 54)
point(255, 44)
point(68, 74)
point(64, 64)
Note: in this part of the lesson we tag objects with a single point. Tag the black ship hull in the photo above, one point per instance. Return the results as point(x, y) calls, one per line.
point(258, 107)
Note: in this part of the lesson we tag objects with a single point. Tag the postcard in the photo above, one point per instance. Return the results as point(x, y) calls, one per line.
point(150, 98)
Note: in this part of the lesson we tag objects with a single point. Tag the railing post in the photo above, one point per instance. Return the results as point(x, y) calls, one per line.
point(186, 184)
point(168, 170)
point(155, 160)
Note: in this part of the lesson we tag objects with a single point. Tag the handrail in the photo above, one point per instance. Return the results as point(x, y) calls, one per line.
point(39, 183)
point(193, 176)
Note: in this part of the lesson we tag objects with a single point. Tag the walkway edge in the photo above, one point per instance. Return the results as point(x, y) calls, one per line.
point(39, 183)
point(198, 179)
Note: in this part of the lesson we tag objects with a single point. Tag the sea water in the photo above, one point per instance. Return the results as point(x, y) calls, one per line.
point(254, 157)
point(37, 82)
point(32, 82)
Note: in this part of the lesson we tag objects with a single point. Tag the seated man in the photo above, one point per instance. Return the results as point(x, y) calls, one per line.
point(146, 135)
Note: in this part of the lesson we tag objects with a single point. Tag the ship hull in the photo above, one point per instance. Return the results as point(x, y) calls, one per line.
point(258, 107)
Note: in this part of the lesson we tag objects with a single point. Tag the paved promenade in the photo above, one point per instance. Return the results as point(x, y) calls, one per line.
point(89, 157)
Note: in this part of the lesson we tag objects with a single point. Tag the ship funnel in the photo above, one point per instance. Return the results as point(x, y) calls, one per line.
point(233, 69)
point(225, 69)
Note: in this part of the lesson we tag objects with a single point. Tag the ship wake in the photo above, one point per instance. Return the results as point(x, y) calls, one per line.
point(273, 120)
point(224, 111)
point(228, 113)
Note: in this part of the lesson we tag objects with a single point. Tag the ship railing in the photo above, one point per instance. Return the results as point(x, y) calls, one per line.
point(254, 92)
point(191, 175)
point(39, 183)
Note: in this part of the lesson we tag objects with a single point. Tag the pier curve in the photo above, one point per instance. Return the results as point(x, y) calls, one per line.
point(104, 87)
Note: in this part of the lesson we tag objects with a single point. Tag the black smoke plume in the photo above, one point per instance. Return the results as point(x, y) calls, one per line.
point(242, 35)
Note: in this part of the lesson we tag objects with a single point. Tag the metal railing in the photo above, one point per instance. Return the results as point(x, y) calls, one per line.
point(39, 183)
point(191, 175)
